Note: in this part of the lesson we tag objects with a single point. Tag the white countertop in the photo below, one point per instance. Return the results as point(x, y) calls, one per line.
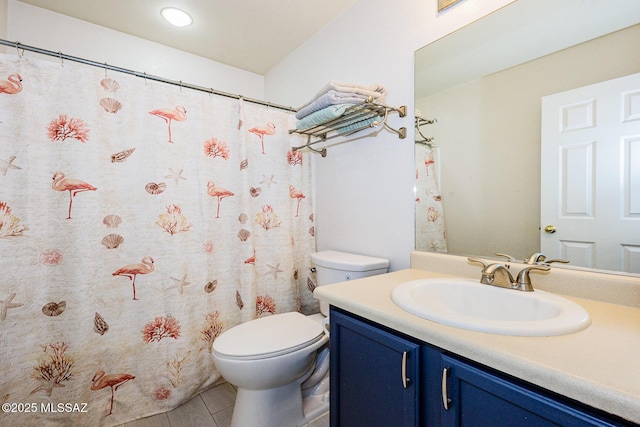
point(599, 366)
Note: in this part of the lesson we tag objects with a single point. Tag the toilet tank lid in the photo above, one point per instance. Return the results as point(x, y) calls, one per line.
point(268, 336)
point(348, 262)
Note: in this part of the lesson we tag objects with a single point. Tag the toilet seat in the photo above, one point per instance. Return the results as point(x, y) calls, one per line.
point(268, 337)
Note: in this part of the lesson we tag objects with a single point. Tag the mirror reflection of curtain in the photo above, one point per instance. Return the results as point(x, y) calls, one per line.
point(137, 222)
point(430, 222)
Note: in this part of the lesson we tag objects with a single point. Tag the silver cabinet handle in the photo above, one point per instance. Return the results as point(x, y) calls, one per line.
point(405, 380)
point(445, 398)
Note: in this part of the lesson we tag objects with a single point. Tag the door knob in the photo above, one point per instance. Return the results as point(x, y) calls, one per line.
point(550, 229)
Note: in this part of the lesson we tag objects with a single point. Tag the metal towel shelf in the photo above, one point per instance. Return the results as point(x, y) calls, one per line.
point(356, 118)
point(420, 138)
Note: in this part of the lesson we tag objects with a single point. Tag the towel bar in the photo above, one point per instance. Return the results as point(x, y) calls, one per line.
point(426, 140)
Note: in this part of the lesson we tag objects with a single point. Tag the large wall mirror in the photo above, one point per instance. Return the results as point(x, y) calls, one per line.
point(484, 86)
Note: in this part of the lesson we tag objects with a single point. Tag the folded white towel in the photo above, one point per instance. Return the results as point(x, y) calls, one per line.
point(377, 92)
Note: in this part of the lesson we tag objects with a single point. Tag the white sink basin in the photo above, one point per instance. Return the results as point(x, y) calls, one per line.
point(468, 304)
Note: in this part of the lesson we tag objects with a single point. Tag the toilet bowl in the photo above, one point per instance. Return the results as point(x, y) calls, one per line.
point(280, 363)
point(268, 359)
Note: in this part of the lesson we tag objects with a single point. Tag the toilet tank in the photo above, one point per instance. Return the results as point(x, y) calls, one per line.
point(334, 266)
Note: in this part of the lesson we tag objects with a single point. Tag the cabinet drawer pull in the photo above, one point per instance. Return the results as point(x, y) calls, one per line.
point(445, 398)
point(405, 380)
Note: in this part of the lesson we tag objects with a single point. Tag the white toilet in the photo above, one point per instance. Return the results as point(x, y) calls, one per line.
point(280, 363)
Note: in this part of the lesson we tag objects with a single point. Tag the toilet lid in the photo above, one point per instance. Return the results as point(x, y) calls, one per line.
point(349, 262)
point(268, 336)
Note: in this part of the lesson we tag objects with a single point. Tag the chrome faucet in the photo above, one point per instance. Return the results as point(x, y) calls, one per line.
point(535, 258)
point(498, 274)
point(539, 258)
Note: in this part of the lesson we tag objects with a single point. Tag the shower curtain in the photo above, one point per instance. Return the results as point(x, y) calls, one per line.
point(430, 225)
point(138, 221)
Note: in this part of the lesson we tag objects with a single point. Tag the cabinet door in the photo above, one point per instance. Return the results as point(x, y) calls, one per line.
point(373, 375)
point(479, 398)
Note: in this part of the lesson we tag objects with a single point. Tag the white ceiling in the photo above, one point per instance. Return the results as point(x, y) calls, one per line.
point(253, 35)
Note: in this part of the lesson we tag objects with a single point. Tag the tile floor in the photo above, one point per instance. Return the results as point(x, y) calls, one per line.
point(211, 408)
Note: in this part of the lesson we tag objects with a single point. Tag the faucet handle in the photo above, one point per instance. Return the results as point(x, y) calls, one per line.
point(549, 261)
point(484, 264)
point(507, 256)
point(523, 281)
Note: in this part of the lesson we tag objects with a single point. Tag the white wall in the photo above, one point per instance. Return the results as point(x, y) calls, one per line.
point(364, 188)
point(3, 21)
point(41, 28)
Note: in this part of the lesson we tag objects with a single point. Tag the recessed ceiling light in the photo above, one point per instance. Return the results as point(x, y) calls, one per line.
point(177, 17)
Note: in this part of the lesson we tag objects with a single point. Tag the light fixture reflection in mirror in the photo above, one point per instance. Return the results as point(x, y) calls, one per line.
point(444, 4)
point(488, 127)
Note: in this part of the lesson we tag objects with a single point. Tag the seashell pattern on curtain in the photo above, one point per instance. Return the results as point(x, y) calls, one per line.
point(138, 221)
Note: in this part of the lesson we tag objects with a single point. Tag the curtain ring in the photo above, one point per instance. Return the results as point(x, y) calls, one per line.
point(145, 78)
point(20, 55)
point(180, 86)
point(105, 69)
point(60, 56)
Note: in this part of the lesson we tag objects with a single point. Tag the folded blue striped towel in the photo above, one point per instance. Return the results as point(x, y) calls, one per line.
point(322, 116)
point(330, 98)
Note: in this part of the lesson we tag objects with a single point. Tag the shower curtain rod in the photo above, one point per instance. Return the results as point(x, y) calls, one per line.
point(19, 46)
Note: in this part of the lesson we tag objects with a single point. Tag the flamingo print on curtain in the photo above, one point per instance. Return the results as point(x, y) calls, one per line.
point(430, 223)
point(130, 243)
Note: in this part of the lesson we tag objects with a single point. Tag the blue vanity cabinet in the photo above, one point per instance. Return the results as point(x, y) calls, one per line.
point(374, 375)
point(475, 396)
point(440, 388)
